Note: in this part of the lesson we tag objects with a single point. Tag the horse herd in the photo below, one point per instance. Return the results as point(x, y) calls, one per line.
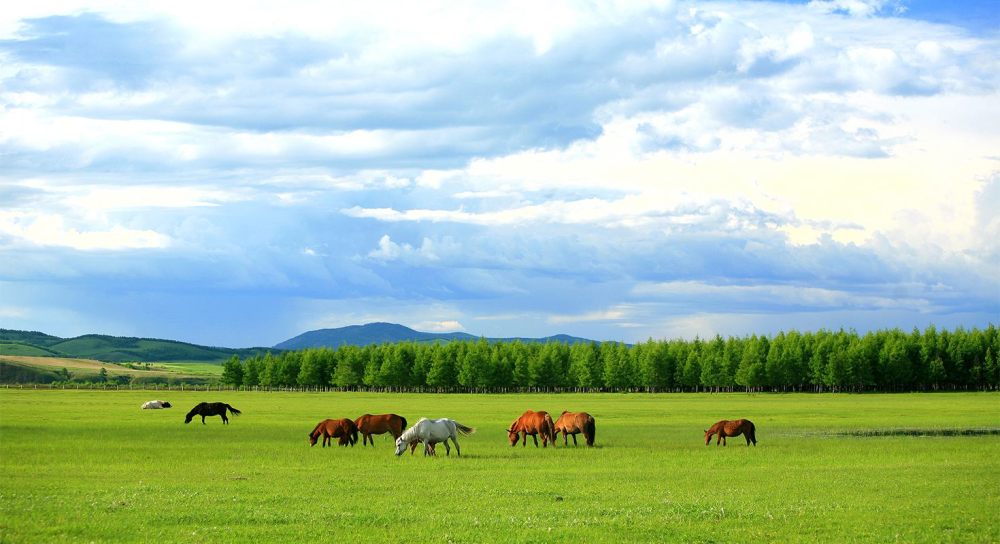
point(430, 432)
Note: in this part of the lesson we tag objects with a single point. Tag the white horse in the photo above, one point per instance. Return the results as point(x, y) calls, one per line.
point(434, 431)
point(155, 405)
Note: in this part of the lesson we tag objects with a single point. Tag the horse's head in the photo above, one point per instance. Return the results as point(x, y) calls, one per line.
point(312, 439)
point(512, 435)
point(401, 446)
point(708, 437)
point(189, 417)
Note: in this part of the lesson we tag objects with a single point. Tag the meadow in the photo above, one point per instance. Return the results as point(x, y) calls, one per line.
point(91, 466)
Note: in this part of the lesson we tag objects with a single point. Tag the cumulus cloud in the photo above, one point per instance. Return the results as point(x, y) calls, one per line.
point(638, 168)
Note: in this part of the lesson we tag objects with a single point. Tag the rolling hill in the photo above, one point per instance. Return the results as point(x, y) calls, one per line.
point(118, 349)
point(378, 333)
point(114, 349)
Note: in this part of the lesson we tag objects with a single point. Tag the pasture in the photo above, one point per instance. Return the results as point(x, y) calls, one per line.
point(91, 466)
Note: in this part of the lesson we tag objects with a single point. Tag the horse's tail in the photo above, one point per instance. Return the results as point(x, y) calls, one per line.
point(591, 430)
point(753, 432)
point(463, 429)
point(551, 428)
point(402, 425)
point(233, 411)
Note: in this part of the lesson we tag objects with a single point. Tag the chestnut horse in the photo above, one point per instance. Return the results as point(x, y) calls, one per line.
point(343, 429)
point(737, 427)
point(533, 423)
point(385, 423)
point(574, 424)
point(430, 448)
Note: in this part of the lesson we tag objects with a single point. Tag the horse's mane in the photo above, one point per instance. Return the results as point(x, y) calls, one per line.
point(316, 430)
point(407, 436)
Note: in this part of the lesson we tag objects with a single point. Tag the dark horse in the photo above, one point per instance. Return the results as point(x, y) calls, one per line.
point(211, 409)
point(342, 429)
point(574, 424)
point(533, 423)
point(726, 428)
point(385, 423)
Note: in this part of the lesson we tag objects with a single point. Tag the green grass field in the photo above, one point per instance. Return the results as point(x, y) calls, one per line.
point(91, 466)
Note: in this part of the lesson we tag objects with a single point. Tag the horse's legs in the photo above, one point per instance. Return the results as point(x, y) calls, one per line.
point(574, 439)
point(566, 440)
point(447, 448)
point(535, 438)
point(454, 438)
point(723, 439)
point(225, 420)
point(202, 420)
point(524, 439)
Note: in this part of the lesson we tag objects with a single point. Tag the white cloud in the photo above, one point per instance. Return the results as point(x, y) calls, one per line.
point(50, 230)
point(438, 326)
point(391, 251)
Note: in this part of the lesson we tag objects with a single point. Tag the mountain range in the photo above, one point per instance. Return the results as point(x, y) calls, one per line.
point(378, 333)
point(129, 349)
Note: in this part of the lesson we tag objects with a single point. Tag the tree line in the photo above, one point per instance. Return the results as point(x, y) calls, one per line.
point(884, 360)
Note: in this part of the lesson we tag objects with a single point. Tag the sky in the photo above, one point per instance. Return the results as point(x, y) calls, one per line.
point(237, 173)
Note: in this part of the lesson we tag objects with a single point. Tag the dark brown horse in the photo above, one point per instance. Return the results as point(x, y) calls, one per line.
point(211, 409)
point(385, 423)
point(533, 423)
point(343, 429)
point(737, 427)
point(574, 424)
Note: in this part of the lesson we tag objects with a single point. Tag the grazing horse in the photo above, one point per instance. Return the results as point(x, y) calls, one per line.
point(533, 423)
point(385, 423)
point(343, 429)
point(211, 409)
point(430, 432)
point(155, 405)
point(574, 424)
point(413, 447)
point(737, 427)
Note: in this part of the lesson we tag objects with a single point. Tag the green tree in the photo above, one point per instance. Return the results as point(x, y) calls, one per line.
point(311, 369)
point(232, 371)
point(251, 372)
point(443, 372)
point(350, 366)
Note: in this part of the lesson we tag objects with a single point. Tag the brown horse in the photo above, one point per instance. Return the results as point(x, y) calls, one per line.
point(726, 428)
point(574, 424)
point(385, 423)
point(343, 429)
point(415, 443)
point(533, 423)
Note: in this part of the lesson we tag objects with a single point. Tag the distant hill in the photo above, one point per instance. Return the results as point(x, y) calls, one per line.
point(114, 349)
point(379, 333)
point(119, 349)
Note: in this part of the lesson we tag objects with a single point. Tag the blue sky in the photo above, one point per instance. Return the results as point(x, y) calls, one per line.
point(238, 173)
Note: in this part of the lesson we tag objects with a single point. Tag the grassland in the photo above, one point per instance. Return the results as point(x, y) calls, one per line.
point(88, 369)
point(91, 466)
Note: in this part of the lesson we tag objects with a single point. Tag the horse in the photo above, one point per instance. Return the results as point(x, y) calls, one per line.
point(413, 447)
point(430, 432)
point(533, 423)
point(155, 405)
point(737, 427)
point(343, 429)
point(385, 423)
point(211, 409)
point(574, 424)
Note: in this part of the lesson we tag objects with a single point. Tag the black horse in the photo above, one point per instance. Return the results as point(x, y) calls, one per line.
point(211, 409)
